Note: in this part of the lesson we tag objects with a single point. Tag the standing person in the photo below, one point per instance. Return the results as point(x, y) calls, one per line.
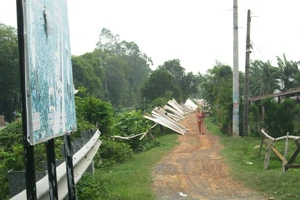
point(200, 120)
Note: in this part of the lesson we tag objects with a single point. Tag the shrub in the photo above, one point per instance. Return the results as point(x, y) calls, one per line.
point(89, 187)
point(95, 112)
point(133, 123)
point(112, 152)
point(279, 118)
point(159, 102)
point(255, 123)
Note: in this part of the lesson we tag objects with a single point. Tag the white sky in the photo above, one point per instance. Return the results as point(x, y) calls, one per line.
point(197, 32)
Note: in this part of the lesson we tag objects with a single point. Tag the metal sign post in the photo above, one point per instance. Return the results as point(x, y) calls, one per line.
point(69, 168)
point(51, 164)
point(28, 149)
point(47, 84)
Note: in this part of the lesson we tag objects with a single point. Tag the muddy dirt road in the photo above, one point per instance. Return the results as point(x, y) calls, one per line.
point(194, 169)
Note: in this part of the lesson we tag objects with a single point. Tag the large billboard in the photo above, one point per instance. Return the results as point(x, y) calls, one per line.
point(49, 79)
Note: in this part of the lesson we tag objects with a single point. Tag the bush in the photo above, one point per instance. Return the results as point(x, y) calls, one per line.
point(159, 102)
point(89, 187)
point(112, 152)
point(255, 123)
point(95, 112)
point(279, 118)
point(133, 123)
point(11, 153)
point(82, 126)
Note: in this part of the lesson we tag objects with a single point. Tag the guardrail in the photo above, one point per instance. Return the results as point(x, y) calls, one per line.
point(81, 160)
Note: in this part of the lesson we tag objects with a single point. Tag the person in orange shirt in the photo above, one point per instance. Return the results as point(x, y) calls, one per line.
point(200, 120)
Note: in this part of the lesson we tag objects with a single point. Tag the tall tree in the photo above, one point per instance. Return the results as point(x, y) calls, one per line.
point(139, 69)
point(216, 89)
point(136, 71)
point(108, 41)
point(115, 82)
point(187, 82)
point(288, 71)
point(174, 68)
point(88, 73)
point(189, 85)
point(161, 84)
point(9, 72)
point(217, 84)
point(263, 78)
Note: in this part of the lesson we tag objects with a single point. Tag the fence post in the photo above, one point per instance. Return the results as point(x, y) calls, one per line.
point(267, 157)
point(285, 152)
point(261, 145)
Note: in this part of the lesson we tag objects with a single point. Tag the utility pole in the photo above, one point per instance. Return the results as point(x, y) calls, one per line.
point(235, 96)
point(246, 83)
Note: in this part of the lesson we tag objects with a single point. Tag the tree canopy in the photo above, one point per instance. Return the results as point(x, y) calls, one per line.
point(263, 78)
point(9, 71)
point(171, 81)
point(88, 72)
point(160, 84)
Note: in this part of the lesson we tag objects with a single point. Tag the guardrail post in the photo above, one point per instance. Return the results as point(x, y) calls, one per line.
point(285, 152)
point(69, 168)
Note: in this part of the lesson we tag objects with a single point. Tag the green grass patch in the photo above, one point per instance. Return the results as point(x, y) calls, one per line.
point(128, 181)
point(246, 166)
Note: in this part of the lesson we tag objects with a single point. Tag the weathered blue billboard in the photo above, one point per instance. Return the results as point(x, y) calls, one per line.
point(49, 80)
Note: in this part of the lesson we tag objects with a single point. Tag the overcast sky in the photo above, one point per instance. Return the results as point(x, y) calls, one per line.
point(197, 32)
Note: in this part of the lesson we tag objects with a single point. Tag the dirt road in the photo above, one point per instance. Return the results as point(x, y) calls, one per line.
point(195, 170)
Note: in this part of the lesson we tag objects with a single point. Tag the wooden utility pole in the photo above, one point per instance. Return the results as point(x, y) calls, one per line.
point(235, 95)
point(246, 83)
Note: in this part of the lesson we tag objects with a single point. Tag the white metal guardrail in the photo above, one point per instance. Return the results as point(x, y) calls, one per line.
point(81, 160)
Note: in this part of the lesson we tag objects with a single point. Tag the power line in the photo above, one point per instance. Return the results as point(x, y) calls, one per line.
point(254, 46)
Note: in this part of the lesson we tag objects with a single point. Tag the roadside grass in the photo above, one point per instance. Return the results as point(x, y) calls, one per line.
point(246, 166)
point(128, 181)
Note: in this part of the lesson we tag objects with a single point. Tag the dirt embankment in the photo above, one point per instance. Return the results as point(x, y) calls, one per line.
point(195, 170)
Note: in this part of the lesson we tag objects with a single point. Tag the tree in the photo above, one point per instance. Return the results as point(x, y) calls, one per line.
point(217, 84)
point(88, 73)
point(159, 83)
point(139, 69)
point(108, 41)
point(115, 82)
point(216, 89)
point(175, 69)
point(9, 72)
point(187, 82)
point(263, 78)
point(189, 85)
point(288, 72)
point(126, 68)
